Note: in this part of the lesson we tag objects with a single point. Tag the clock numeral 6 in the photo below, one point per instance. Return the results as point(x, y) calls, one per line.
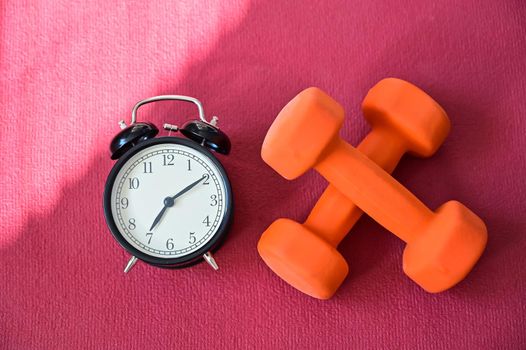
point(149, 238)
point(192, 238)
point(134, 183)
point(131, 224)
point(170, 244)
point(214, 200)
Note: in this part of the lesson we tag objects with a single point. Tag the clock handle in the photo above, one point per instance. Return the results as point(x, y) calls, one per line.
point(193, 100)
point(204, 132)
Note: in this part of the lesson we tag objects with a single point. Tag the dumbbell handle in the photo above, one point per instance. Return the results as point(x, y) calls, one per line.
point(373, 190)
point(334, 214)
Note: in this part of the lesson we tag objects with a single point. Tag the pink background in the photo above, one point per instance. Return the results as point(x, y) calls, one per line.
point(69, 70)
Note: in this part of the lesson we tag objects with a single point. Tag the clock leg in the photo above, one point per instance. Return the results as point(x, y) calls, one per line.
point(130, 264)
point(210, 260)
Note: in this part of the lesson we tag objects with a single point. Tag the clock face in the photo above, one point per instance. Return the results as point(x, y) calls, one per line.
point(169, 200)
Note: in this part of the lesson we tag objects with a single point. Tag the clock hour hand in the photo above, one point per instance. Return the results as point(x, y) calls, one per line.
point(161, 213)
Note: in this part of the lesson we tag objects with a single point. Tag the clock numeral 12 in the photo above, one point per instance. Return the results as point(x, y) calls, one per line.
point(168, 159)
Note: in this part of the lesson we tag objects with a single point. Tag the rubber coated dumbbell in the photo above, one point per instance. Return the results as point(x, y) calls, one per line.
point(442, 247)
point(403, 119)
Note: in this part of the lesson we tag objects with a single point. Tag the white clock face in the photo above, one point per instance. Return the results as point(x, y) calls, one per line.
point(149, 209)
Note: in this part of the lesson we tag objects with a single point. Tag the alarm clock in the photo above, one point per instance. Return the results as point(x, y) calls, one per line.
point(168, 200)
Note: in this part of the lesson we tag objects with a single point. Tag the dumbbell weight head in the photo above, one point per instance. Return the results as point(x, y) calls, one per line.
point(418, 119)
point(447, 250)
point(293, 145)
point(302, 258)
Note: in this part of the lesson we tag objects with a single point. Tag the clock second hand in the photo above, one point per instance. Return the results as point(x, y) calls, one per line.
point(170, 201)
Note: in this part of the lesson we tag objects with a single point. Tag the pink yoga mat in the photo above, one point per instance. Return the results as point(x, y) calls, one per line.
point(69, 70)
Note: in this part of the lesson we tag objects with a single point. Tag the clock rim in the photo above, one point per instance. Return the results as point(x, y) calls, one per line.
point(195, 257)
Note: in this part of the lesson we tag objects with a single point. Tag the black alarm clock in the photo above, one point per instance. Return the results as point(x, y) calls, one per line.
point(168, 200)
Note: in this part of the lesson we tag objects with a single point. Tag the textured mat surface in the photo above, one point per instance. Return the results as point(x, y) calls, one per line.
point(69, 70)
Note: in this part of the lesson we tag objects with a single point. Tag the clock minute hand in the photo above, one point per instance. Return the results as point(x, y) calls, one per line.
point(187, 188)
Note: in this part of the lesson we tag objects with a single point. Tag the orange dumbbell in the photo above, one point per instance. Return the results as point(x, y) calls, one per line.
point(442, 247)
point(317, 268)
